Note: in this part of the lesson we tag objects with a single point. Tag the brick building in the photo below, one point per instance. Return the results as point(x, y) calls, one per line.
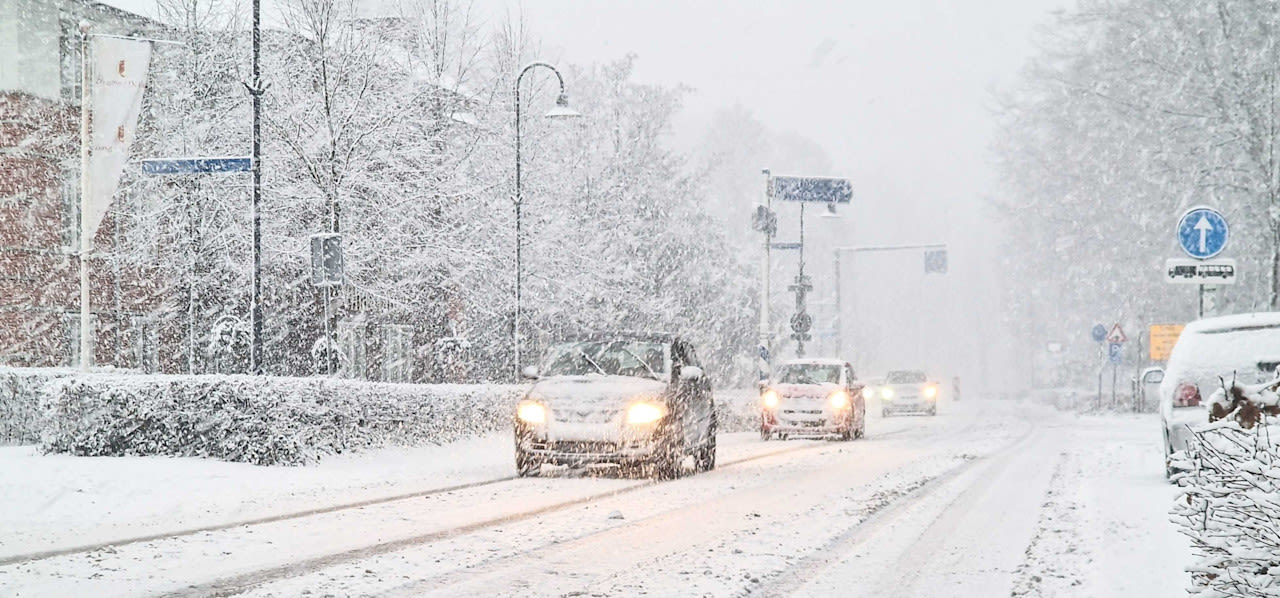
point(39, 197)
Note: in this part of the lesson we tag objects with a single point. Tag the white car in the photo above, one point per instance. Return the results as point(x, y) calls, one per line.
point(625, 399)
point(907, 391)
point(813, 397)
point(1245, 346)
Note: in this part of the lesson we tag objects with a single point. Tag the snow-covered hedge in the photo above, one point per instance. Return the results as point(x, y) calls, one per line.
point(21, 390)
point(1230, 508)
point(261, 420)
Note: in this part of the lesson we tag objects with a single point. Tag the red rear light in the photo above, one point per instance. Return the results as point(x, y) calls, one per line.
point(1186, 395)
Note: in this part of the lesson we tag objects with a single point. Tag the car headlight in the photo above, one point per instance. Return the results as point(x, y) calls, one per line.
point(839, 399)
point(530, 412)
point(770, 399)
point(930, 392)
point(645, 413)
point(886, 393)
point(868, 392)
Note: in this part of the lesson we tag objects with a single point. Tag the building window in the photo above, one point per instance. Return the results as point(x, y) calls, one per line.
point(352, 343)
point(71, 210)
point(71, 323)
point(397, 353)
point(69, 48)
point(146, 343)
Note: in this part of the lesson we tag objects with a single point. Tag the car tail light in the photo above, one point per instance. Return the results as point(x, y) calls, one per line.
point(1186, 395)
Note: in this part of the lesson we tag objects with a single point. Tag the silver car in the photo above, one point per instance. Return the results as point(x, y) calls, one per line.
point(626, 399)
point(907, 391)
point(1245, 347)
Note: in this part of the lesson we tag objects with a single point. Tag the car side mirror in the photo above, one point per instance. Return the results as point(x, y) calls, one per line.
point(530, 372)
point(690, 372)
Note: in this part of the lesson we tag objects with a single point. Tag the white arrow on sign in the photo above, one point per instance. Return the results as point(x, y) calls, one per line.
point(1204, 227)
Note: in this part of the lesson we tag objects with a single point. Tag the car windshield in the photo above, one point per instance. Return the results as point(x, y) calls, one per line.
point(608, 357)
point(904, 378)
point(809, 373)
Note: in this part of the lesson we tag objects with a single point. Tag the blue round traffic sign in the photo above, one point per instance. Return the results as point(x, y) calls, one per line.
point(1202, 233)
point(1099, 333)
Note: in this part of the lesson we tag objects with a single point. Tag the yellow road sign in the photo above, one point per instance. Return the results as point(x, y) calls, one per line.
point(1163, 337)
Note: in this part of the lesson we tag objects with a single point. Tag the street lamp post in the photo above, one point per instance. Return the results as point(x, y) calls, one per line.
point(561, 110)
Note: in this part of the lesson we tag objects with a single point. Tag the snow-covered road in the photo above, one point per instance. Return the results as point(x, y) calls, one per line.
point(986, 499)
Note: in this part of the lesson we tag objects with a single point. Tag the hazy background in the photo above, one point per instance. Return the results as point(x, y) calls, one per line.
point(899, 96)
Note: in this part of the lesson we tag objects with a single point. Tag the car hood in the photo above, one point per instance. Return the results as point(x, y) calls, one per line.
point(594, 390)
point(820, 391)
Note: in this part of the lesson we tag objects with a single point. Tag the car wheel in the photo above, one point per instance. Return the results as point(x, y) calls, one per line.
point(526, 465)
point(706, 457)
point(847, 434)
point(933, 411)
point(669, 462)
point(861, 431)
point(884, 413)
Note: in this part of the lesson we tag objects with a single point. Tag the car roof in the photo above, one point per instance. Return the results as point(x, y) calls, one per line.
point(630, 335)
point(1270, 319)
point(814, 361)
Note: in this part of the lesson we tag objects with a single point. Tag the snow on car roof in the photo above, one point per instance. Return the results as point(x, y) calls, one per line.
point(814, 361)
point(1235, 322)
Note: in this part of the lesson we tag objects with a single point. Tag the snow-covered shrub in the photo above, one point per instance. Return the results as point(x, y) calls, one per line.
point(261, 420)
point(1230, 508)
point(21, 390)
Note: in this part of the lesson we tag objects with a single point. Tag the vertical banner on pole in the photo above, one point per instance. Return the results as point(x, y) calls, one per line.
point(114, 78)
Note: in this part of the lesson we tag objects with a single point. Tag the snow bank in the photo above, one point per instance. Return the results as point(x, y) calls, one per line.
point(20, 392)
point(1231, 494)
point(260, 420)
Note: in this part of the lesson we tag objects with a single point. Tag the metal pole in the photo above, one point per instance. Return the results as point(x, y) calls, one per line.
point(765, 349)
point(255, 353)
point(86, 324)
point(839, 329)
point(800, 280)
point(519, 201)
point(515, 326)
point(1200, 310)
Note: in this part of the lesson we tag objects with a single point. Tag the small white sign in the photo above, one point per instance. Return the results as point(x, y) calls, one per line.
point(1209, 272)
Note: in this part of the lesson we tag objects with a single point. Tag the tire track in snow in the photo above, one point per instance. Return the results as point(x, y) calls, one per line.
point(883, 507)
point(230, 586)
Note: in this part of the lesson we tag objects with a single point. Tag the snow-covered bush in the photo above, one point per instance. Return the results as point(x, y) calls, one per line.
point(21, 390)
point(265, 421)
point(1230, 508)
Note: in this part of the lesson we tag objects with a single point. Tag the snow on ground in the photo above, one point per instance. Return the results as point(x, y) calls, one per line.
point(59, 501)
point(987, 499)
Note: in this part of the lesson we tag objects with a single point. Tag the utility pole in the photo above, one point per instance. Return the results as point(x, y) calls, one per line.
point(255, 308)
point(767, 224)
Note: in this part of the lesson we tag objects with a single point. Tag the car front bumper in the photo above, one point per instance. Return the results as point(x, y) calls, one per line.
point(589, 444)
point(916, 405)
point(806, 424)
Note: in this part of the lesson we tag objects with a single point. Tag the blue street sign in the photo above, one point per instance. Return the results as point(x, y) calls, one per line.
point(158, 167)
point(785, 245)
point(1203, 233)
point(1099, 333)
point(823, 189)
point(1115, 353)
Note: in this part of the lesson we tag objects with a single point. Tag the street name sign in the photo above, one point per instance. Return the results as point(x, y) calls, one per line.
point(1203, 233)
point(821, 189)
point(171, 166)
point(1189, 271)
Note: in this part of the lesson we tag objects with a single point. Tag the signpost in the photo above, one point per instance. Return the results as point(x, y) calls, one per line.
point(1202, 234)
point(188, 166)
point(820, 189)
point(1098, 333)
point(1163, 337)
